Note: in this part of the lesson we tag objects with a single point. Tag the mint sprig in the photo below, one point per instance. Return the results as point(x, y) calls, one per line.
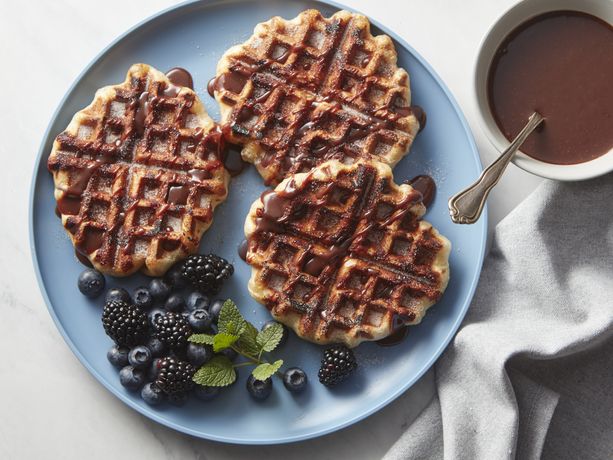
point(266, 370)
point(270, 337)
point(218, 372)
point(240, 335)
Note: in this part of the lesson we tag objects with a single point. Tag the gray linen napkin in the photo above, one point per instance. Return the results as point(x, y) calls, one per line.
point(530, 372)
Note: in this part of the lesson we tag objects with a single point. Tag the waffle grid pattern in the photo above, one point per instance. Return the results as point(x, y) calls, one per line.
point(390, 273)
point(312, 89)
point(140, 195)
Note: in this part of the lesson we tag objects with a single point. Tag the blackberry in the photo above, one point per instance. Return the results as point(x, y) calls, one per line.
point(207, 272)
point(174, 376)
point(173, 330)
point(124, 323)
point(337, 364)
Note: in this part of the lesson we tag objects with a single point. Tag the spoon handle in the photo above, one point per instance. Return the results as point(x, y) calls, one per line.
point(466, 206)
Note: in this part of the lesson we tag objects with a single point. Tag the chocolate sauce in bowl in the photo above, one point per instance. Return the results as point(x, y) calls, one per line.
point(559, 64)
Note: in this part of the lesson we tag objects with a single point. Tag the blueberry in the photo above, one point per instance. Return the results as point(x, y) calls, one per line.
point(155, 314)
point(132, 378)
point(175, 303)
point(118, 356)
point(159, 289)
point(206, 393)
point(199, 320)
point(174, 277)
point(117, 294)
point(295, 379)
point(259, 389)
point(197, 301)
point(151, 394)
point(285, 335)
point(215, 308)
point(140, 357)
point(156, 346)
point(91, 283)
point(229, 353)
point(143, 298)
point(197, 354)
point(154, 368)
point(178, 399)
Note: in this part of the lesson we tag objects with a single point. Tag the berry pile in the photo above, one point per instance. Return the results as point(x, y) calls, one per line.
point(151, 327)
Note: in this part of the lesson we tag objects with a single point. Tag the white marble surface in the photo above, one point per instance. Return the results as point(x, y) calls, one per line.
point(49, 404)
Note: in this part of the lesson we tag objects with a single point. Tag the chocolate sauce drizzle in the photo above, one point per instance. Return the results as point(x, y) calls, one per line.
point(272, 72)
point(70, 204)
point(243, 248)
point(178, 76)
point(426, 186)
point(232, 160)
point(275, 212)
point(395, 337)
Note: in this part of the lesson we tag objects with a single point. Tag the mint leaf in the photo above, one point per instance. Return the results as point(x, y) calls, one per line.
point(248, 342)
point(230, 319)
point(223, 340)
point(218, 372)
point(203, 339)
point(266, 370)
point(270, 337)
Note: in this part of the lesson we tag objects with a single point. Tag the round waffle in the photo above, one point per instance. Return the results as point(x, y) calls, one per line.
point(138, 174)
point(341, 255)
point(302, 91)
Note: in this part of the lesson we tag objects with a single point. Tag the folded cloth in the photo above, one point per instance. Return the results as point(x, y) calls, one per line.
point(530, 372)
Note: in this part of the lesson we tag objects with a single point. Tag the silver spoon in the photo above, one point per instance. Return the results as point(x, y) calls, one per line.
point(466, 206)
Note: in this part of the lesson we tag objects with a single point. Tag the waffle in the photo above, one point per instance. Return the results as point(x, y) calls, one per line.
point(137, 174)
point(341, 255)
point(302, 91)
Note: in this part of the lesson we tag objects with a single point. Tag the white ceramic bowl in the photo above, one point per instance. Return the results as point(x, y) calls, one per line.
point(510, 20)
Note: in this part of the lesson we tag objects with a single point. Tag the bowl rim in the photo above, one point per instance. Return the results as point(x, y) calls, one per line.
point(496, 33)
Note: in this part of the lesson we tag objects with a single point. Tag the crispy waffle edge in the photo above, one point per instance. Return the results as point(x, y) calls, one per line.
point(263, 293)
point(150, 265)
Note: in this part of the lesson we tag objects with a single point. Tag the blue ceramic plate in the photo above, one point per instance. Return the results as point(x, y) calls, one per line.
point(194, 36)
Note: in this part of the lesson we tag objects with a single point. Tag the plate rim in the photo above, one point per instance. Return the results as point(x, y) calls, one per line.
point(150, 413)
